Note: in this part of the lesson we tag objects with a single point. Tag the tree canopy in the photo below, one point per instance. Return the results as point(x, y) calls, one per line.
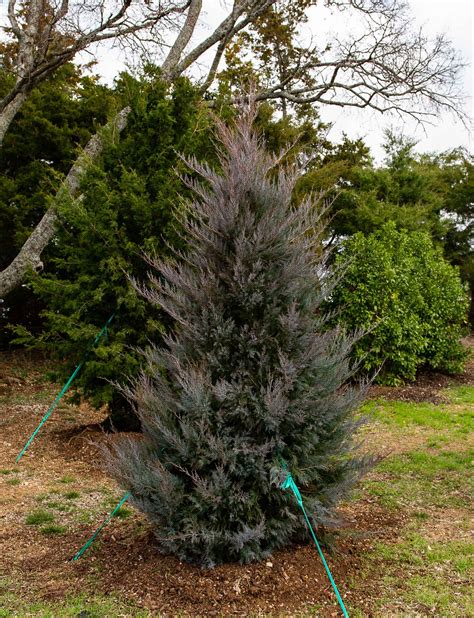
point(58, 118)
point(382, 63)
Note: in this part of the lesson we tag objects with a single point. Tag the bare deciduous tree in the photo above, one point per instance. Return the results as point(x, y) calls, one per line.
point(48, 33)
point(383, 64)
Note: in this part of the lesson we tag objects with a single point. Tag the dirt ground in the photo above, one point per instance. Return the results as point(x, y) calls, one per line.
point(62, 468)
point(428, 385)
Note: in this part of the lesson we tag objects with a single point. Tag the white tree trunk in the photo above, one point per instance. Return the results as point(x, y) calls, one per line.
point(9, 112)
point(29, 257)
point(182, 39)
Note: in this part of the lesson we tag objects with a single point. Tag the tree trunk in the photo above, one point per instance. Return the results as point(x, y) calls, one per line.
point(122, 416)
point(9, 112)
point(29, 257)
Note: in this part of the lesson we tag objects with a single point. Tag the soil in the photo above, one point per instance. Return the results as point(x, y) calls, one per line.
point(125, 561)
point(284, 585)
point(428, 385)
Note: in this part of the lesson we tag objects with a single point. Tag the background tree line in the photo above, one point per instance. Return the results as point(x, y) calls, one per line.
point(130, 201)
point(382, 64)
point(89, 176)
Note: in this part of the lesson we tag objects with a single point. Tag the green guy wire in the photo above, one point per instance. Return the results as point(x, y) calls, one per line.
point(289, 483)
point(64, 389)
point(86, 546)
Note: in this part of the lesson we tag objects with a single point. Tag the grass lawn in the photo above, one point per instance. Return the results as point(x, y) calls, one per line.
point(429, 569)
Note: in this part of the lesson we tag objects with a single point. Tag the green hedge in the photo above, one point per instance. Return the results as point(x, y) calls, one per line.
point(399, 287)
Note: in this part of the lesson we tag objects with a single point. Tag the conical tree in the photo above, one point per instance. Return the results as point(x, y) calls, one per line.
point(250, 378)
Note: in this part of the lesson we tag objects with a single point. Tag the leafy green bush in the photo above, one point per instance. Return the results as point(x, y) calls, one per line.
point(399, 286)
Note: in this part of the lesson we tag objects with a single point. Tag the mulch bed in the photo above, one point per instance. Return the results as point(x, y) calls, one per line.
point(125, 562)
point(428, 384)
point(131, 567)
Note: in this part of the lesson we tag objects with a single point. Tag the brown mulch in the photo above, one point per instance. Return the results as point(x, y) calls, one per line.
point(428, 384)
point(129, 566)
point(126, 562)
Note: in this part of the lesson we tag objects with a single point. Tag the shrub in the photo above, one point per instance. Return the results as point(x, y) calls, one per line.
point(398, 284)
point(249, 378)
point(127, 207)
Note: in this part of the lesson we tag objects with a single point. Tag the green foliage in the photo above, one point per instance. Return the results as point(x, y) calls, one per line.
point(461, 394)
point(38, 150)
point(39, 517)
point(123, 513)
point(424, 416)
point(53, 529)
point(90, 605)
point(72, 495)
point(40, 146)
point(456, 183)
point(297, 136)
point(67, 479)
point(432, 491)
point(398, 285)
point(403, 190)
point(127, 209)
point(432, 193)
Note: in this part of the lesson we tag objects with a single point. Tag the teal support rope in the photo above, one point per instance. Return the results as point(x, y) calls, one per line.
point(86, 546)
point(289, 483)
point(63, 390)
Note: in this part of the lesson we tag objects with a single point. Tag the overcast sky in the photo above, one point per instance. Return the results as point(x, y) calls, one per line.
point(454, 17)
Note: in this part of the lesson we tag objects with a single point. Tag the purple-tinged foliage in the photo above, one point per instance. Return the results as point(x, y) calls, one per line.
point(251, 375)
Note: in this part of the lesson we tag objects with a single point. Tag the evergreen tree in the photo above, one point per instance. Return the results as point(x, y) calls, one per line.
point(455, 182)
point(418, 192)
point(127, 208)
point(403, 189)
point(251, 376)
point(36, 154)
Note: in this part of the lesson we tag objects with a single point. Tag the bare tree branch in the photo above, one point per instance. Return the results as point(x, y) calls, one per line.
point(182, 39)
point(49, 37)
point(17, 31)
point(219, 52)
point(388, 67)
point(385, 66)
point(249, 9)
point(10, 111)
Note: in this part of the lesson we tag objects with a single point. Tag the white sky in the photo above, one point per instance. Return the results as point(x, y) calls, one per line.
point(454, 17)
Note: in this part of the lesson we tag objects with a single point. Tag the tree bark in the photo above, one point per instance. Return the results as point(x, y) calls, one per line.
point(29, 256)
point(182, 39)
point(9, 112)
